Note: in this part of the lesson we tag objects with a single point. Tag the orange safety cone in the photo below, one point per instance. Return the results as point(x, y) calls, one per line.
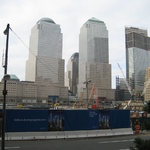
point(137, 129)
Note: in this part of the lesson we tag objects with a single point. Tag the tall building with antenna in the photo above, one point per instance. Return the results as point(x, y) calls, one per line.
point(45, 56)
point(137, 57)
point(94, 59)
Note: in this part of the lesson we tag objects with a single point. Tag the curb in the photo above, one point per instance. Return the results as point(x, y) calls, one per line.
point(66, 134)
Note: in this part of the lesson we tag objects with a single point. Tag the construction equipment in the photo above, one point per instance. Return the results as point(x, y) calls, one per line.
point(125, 79)
point(79, 103)
point(132, 92)
point(128, 87)
point(93, 91)
point(56, 105)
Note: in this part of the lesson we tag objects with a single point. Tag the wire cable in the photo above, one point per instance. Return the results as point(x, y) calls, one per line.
point(31, 51)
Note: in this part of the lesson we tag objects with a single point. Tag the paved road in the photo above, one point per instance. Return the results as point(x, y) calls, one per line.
point(107, 143)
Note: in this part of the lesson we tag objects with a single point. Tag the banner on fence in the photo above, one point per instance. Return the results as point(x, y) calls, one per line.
point(26, 120)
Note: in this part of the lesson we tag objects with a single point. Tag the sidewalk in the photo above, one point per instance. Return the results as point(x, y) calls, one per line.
point(67, 134)
point(144, 132)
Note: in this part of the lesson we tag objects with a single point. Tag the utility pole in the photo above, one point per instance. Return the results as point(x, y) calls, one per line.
point(5, 78)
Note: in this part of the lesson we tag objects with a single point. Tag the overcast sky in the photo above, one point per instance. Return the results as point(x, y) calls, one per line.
point(22, 15)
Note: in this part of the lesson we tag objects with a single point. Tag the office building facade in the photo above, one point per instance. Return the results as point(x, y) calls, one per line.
point(94, 59)
point(45, 55)
point(72, 73)
point(32, 93)
point(137, 57)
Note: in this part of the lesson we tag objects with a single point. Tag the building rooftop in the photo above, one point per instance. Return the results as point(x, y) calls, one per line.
point(48, 20)
point(74, 55)
point(13, 77)
point(95, 20)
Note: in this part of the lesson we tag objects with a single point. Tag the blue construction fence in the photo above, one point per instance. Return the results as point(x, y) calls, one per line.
point(65, 120)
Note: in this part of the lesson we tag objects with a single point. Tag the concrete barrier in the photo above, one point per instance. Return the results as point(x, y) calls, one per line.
point(67, 134)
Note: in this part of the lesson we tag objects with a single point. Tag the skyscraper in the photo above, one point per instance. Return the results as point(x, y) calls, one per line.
point(137, 57)
point(72, 73)
point(45, 56)
point(94, 58)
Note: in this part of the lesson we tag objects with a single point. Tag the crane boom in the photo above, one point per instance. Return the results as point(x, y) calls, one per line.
point(93, 91)
point(125, 80)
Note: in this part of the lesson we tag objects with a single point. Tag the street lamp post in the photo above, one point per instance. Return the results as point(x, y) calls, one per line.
point(86, 83)
point(6, 32)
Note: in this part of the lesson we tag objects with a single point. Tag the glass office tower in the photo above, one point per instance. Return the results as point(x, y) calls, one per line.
point(72, 73)
point(137, 57)
point(45, 55)
point(94, 57)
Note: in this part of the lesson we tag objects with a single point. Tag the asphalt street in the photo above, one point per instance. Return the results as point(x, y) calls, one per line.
point(102, 143)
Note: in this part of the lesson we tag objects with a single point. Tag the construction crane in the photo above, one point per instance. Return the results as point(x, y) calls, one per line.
point(133, 92)
point(93, 91)
point(81, 98)
point(128, 87)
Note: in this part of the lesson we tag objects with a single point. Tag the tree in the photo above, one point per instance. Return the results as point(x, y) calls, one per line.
point(141, 144)
point(147, 107)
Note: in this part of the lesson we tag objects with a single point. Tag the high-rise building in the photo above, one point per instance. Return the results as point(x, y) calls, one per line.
point(94, 67)
point(72, 73)
point(137, 57)
point(45, 56)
